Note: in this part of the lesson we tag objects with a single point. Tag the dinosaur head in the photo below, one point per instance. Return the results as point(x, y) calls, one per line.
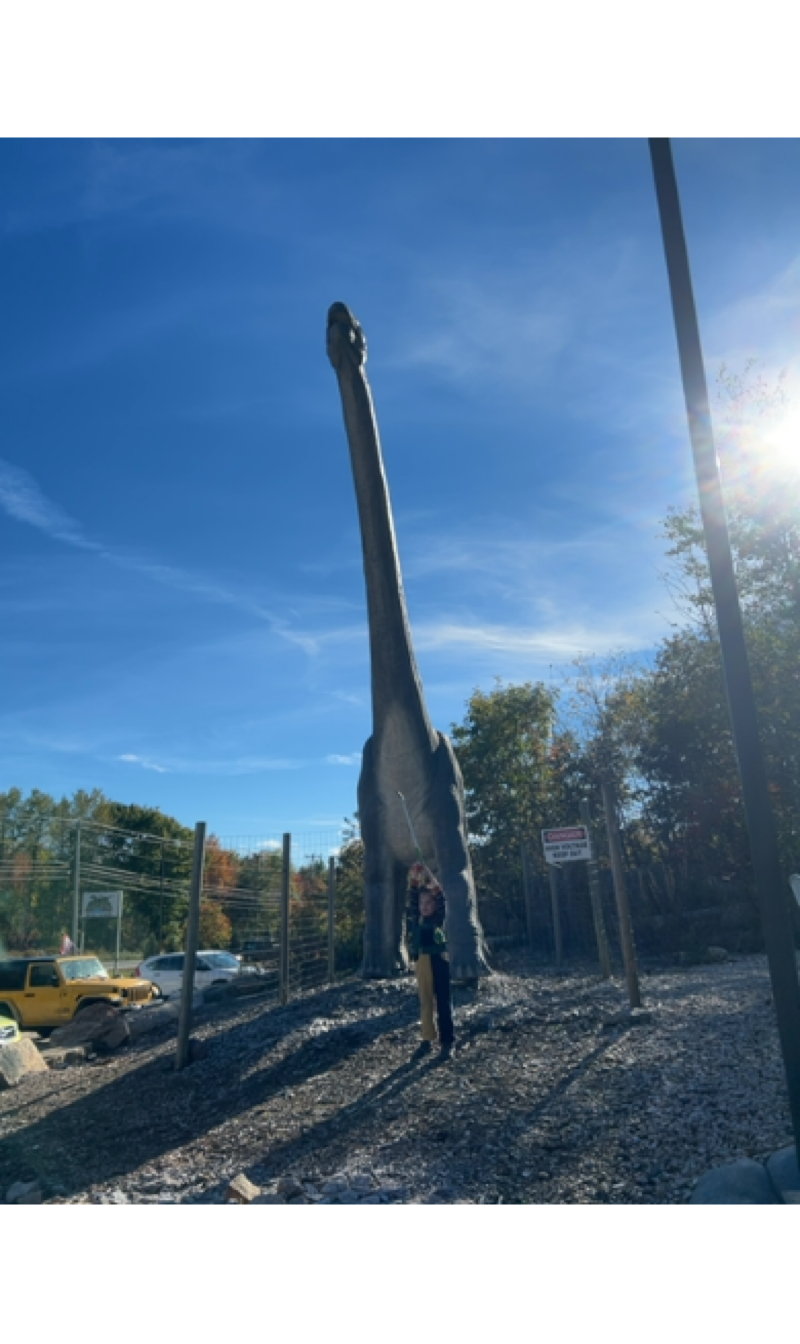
point(346, 340)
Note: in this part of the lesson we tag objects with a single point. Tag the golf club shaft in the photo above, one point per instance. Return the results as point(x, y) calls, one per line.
point(415, 840)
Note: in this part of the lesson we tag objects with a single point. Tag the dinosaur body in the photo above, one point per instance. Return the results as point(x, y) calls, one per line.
point(405, 752)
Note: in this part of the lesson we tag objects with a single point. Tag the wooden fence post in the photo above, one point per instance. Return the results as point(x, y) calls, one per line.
point(596, 889)
point(192, 940)
point(527, 887)
point(285, 921)
point(553, 874)
point(621, 887)
point(331, 920)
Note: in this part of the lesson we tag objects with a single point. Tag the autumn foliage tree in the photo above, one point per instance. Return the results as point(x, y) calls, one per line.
point(216, 929)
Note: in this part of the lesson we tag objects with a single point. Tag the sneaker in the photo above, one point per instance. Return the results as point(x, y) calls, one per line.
point(423, 1049)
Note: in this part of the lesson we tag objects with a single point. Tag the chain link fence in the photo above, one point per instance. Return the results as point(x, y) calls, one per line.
point(290, 906)
point(671, 915)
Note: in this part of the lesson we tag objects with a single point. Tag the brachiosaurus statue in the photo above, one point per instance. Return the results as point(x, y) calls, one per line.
point(405, 753)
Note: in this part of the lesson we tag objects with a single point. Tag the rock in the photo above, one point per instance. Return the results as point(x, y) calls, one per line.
point(393, 1192)
point(335, 1186)
point(110, 1197)
point(347, 1197)
point(742, 1182)
point(783, 1171)
point(363, 1184)
point(30, 1200)
point(289, 1187)
point(241, 1190)
point(24, 1192)
point(101, 1026)
point(17, 1060)
point(151, 1018)
point(62, 1059)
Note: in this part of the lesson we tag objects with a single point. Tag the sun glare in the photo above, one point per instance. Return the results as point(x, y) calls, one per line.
point(781, 448)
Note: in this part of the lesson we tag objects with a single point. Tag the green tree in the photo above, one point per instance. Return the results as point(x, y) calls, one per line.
point(350, 898)
point(149, 855)
point(518, 776)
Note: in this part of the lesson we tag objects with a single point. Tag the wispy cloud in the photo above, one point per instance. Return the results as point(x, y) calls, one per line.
point(354, 758)
point(349, 698)
point(22, 499)
point(762, 325)
point(131, 759)
point(511, 323)
point(556, 643)
point(241, 765)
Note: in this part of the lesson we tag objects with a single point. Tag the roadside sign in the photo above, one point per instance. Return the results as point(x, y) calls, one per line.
point(564, 844)
point(102, 904)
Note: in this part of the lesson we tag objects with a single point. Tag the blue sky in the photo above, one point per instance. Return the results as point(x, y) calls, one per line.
point(182, 596)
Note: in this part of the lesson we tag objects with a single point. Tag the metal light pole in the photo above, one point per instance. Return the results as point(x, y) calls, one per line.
point(769, 880)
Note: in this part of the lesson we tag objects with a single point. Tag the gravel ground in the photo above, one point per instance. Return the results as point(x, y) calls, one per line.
point(544, 1102)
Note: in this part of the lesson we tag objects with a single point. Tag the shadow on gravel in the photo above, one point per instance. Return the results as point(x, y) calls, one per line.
point(145, 1113)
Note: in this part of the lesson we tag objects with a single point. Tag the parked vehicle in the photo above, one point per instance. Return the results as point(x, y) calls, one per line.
point(44, 992)
point(9, 1031)
point(214, 968)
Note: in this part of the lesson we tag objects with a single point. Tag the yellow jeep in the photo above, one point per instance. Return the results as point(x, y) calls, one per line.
point(44, 992)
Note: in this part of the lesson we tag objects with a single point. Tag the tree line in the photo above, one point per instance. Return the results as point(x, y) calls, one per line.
point(148, 855)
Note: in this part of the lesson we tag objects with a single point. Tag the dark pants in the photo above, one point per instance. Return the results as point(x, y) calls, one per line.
point(444, 1006)
point(436, 996)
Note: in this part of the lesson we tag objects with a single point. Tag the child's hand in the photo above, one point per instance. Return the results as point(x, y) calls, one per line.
point(417, 873)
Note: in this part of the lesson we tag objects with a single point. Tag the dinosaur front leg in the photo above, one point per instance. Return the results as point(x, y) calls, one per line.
point(448, 815)
point(383, 937)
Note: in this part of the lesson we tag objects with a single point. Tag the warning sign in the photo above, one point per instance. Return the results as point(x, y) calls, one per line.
point(564, 844)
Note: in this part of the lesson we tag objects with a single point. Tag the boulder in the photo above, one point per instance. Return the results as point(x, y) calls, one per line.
point(62, 1059)
point(742, 1182)
point(17, 1060)
point(24, 1192)
point(160, 1015)
point(783, 1171)
point(101, 1026)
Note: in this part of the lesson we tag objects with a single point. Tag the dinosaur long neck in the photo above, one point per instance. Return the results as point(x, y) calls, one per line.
point(396, 684)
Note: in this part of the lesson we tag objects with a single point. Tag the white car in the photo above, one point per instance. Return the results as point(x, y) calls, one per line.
point(211, 968)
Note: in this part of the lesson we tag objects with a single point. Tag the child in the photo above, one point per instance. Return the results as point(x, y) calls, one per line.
point(429, 953)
